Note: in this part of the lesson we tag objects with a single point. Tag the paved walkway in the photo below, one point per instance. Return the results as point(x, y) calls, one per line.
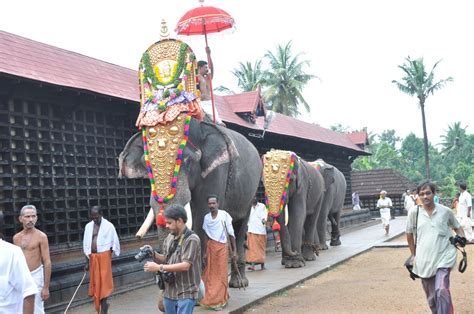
point(275, 278)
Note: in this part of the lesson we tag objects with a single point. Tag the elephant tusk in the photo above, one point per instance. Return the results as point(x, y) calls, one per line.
point(146, 224)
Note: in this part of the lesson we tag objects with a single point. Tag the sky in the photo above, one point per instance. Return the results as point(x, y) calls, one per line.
point(354, 48)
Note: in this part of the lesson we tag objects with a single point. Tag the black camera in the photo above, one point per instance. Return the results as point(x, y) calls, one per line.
point(144, 252)
point(458, 240)
point(163, 277)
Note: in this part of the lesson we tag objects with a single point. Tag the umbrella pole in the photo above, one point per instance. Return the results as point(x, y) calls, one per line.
point(210, 81)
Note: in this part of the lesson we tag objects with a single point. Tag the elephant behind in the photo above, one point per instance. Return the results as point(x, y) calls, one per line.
point(333, 202)
point(216, 161)
point(304, 197)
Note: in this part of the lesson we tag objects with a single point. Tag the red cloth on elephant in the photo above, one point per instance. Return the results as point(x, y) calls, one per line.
point(257, 243)
point(101, 283)
point(154, 117)
point(215, 276)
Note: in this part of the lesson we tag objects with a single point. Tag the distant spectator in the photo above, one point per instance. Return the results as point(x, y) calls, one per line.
point(464, 211)
point(384, 204)
point(355, 201)
point(455, 204)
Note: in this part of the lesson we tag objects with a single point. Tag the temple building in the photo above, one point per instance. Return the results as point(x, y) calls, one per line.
point(64, 119)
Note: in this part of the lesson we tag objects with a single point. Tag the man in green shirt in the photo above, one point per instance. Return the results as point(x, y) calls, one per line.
point(434, 256)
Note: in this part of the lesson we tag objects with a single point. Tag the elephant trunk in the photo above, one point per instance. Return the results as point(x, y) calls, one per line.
point(182, 197)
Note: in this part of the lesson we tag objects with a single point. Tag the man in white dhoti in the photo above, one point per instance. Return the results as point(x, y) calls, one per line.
point(256, 235)
point(384, 204)
point(34, 245)
point(464, 211)
point(100, 240)
point(17, 287)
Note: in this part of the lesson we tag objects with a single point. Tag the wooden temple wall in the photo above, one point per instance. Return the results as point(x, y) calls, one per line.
point(58, 151)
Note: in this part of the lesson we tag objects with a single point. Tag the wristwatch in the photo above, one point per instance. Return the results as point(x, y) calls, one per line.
point(161, 268)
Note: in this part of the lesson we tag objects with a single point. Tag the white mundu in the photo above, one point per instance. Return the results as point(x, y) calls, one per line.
point(38, 277)
point(206, 105)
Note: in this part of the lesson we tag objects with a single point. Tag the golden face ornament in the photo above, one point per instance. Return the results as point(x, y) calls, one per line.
point(164, 142)
point(277, 169)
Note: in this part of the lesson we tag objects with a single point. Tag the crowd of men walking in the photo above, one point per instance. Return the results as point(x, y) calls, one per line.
point(25, 265)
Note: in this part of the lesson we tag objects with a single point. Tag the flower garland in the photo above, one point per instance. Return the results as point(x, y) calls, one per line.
point(155, 78)
point(284, 195)
point(179, 158)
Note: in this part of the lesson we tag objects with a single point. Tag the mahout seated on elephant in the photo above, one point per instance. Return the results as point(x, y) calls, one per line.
point(289, 180)
point(331, 209)
point(217, 161)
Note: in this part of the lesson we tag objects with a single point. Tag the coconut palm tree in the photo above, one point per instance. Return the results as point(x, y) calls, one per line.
point(248, 77)
point(454, 139)
point(417, 82)
point(285, 80)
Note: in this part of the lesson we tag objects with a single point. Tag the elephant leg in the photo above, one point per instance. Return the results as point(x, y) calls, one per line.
point(322, 224)
point(308, 249)
point(335, 233)
point(296, 213)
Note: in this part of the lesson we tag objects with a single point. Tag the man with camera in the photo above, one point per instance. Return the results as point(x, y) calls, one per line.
point(179, 267)
point(433, 254)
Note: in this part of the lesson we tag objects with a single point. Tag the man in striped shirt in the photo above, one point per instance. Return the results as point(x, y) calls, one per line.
point(182, 257)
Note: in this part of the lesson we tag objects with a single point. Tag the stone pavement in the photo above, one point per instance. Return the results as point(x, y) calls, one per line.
point(275, 278)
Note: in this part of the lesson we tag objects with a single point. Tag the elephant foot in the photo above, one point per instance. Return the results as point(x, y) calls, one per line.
point(323, 246)
point(238, 279)
point(296, 261)
point(309, 252)
point(335, 242)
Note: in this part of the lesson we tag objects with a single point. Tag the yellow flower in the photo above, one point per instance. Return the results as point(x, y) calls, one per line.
point(189, 66)
point(148, 93)
point(180, 86)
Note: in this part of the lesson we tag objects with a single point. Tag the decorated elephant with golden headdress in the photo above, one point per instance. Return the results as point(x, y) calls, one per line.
point(185, 158)
point(291, 181)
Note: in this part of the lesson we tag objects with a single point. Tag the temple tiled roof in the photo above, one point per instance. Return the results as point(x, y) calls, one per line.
point(370, 183)
point(29, 59)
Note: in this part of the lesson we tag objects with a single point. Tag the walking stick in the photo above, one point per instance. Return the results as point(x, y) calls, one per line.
point(239, 276)
point(74, 295)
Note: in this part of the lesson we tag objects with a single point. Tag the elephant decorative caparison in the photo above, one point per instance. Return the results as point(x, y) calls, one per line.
point(291, 181)
point(331, 209)
point(216, 160)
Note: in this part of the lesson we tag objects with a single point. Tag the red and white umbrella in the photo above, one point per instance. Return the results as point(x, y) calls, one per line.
point(205, 20)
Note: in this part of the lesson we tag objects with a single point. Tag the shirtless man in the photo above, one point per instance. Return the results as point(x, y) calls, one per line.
point(205, 75)
point(34, 245)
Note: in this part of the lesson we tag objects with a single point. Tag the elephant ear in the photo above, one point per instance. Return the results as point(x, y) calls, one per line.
point(295, 177)
point(328, 175)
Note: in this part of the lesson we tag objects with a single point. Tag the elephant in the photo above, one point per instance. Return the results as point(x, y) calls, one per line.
point(304, 198)
point(216, 161)
point(333, 202)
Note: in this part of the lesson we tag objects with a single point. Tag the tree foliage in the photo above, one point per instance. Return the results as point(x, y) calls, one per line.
point(451, 164)
point(418, 82)
point(282, 81)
